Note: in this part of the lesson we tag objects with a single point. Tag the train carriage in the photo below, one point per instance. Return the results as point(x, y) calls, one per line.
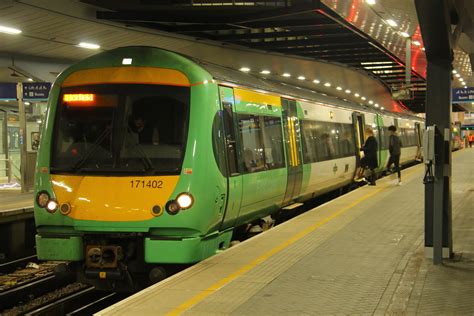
point(149, 158)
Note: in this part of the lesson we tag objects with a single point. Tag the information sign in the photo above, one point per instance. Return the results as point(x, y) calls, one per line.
point(461, 95)
point(36, 91)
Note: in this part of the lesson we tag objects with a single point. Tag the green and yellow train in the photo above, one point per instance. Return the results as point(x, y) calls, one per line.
point(149, 158)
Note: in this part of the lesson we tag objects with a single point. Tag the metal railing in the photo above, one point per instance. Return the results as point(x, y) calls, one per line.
point(9, 165)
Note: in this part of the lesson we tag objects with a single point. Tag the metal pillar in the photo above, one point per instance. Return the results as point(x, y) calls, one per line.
point(435, 25)
point(8, 165)
point(408, 62)
point(21, 112)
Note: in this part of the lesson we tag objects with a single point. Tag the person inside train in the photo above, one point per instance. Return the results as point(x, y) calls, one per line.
point(394, 148)
point(369, 161)
point(329, 150)
point(140, 127)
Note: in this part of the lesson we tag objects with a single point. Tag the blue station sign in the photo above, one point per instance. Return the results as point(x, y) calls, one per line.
point(36, 91)
point(461, 95)
point(7, 91)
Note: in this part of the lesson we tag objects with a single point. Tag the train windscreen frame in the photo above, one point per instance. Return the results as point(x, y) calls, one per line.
point(129, 129)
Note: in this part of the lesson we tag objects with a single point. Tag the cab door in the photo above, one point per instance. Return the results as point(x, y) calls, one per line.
point(294, 162)
point(233, 177)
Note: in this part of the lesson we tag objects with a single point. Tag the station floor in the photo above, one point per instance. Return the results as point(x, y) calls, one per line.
point(362, 253)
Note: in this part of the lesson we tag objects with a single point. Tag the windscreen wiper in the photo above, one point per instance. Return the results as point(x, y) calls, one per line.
point(94, 148)
point(145, 159)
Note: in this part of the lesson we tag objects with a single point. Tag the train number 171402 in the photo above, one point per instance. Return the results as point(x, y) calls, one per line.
point(146, 184)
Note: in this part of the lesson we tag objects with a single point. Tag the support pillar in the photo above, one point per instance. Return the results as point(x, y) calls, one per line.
point(435, 25)
point(23, 136)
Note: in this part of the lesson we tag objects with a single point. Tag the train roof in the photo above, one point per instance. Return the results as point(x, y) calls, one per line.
point(240, 78)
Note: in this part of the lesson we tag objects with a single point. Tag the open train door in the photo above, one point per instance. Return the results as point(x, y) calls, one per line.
point(358, 120)
point(231, 201)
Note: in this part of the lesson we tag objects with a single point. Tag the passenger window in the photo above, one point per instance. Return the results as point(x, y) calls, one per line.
point(273, 142)
point(252, 145)
point(327, 140)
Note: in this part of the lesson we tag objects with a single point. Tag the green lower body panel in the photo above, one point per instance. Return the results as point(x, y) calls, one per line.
point(55, 248)
point(186, 250)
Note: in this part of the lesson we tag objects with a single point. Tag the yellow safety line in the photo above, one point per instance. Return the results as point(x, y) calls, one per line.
point(216, 286)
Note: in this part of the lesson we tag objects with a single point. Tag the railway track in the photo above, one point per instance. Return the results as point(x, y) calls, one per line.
point(11, 266)
point(34, 280)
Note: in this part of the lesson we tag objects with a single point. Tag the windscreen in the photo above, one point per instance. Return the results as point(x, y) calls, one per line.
point(120, 129)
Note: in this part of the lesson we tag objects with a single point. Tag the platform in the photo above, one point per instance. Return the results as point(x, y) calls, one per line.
point(362, 253)
point(15, 205)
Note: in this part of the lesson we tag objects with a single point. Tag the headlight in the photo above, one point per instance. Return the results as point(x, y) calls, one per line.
point(42, 199)
point(185, 200)
point(52, 206)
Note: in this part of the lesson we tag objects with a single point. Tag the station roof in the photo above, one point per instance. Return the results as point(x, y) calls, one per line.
point(347, 43)
point(319, 30)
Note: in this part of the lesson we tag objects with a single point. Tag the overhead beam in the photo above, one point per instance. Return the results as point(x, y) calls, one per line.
point(270, 35)
point(305, 43)
point(213, 14)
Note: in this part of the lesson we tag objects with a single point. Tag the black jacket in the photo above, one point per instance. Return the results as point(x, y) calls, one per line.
point(370, 152)
point(394, 145)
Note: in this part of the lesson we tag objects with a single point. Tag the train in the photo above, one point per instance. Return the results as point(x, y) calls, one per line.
point(150, 159)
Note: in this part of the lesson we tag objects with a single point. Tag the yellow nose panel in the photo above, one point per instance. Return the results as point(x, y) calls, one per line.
point(114, 199)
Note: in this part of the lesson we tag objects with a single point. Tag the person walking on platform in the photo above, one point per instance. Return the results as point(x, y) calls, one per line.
point(369, 160)
point(471, 139)
point(394, 148)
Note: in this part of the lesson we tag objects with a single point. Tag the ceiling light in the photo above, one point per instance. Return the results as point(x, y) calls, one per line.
point(364, 98)
point(301, 78)
point(454, 71)
point(370, 2)
point(371, 102)
point(417, 43)
point(356, 95)
point(382, 108)
point(127, 61)
point(265, 72)
point(30, 79)
point(316, 81)
point(88, 45)
point(338, 88)
point(9, 30)
point(327, 84)
point(244, 69)
point(465, 87)
point(347, 91)
point(376, 105)
point(392, 23)
point(27, 103)
point(404, 34)
point(286, 75)
point(423, 49)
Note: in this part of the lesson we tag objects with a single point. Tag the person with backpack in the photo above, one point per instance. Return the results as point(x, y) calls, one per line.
point(394, 148)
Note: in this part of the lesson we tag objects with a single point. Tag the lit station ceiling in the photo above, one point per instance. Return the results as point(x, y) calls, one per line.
point(308, 29)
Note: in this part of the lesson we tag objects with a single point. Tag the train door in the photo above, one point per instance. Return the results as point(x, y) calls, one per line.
point(358, 120)
point(291, 130)
point(234, 178)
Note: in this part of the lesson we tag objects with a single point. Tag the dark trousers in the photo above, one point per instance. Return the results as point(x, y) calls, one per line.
point(372, 176)
point(395, 159)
